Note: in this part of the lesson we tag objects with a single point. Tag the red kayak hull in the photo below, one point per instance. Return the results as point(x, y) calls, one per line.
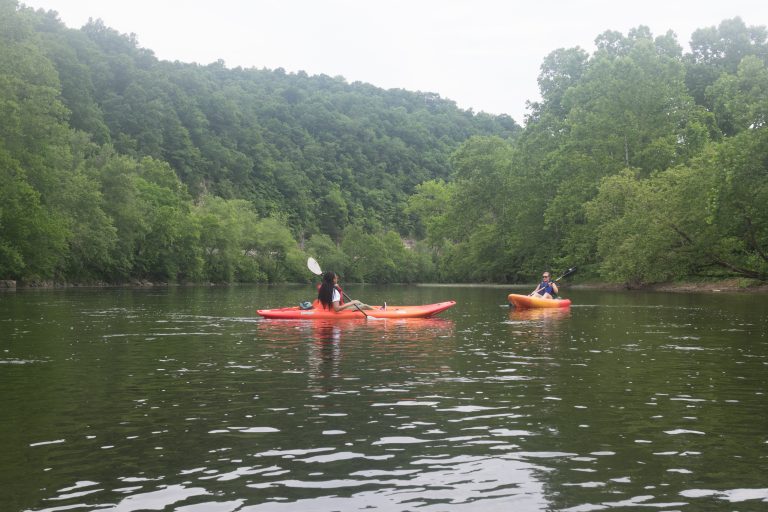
point(424, 311)
point(526, 301)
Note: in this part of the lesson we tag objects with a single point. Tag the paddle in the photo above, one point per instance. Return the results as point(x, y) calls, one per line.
point(567, 273)
point(314, 267)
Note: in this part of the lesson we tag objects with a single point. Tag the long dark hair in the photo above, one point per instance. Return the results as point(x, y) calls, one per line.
point(325, 292)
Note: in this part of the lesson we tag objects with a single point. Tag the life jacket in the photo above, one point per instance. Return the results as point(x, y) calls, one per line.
point(317, 304)
point(546, 288)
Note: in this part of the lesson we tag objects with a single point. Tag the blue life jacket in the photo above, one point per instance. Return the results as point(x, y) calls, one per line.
point(546, 288)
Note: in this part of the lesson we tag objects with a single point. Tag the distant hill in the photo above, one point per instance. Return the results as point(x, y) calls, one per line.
point(287, 142)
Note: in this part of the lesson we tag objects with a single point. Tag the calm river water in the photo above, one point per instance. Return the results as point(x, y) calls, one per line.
point(181, 399)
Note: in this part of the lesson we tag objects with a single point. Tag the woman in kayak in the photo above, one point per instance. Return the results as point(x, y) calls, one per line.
point(547, 289)
point(330, 297)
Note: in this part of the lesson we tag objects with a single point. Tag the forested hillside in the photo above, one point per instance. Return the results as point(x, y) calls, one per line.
point(642, 163)
point(119, 166)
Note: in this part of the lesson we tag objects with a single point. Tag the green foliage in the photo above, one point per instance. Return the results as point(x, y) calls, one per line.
point(325, 250)
point(635, 242)
point(618, 170)
point(740, 101)
point(313, 148)
point(92, 235)
point(718, 50)
point(640, 164)
point(31, 239)
point(34, 154)
point(486, 223)
point(120, 167)
point(227, 236)
point(429, 206)
point(333, 214)
point(706, 217)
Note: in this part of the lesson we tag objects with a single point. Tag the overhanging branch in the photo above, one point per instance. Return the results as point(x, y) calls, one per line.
point(718, 260)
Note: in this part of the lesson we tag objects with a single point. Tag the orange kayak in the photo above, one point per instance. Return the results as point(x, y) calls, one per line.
point(526, 301)
point(316, 313)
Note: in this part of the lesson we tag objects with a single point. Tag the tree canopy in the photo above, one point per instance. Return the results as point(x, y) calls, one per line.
point(641, 163)
point(117, 166)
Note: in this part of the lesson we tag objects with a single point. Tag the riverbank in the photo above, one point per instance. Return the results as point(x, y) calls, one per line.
point(718, 285)
point(722, 285)
point(45, 285)
point(727, 285)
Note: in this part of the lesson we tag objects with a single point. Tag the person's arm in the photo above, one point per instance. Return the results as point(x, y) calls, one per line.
point(336, 300)
point(554, 288)
point(350, 305)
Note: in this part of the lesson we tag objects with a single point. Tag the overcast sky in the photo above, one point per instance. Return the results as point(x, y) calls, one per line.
point(482, 54)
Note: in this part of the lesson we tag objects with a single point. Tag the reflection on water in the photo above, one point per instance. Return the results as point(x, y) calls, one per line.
point(407, 329)
point(184, 400)
point(326, 340)
point(541, 314)
point(540, 325)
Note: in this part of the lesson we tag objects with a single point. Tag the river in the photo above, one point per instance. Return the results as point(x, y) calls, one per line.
point(182, 399)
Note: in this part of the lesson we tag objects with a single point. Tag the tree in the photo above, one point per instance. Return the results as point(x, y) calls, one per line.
point(718, 50)
point(630, 110)
point(34, 152)
point(327, 252)
point(740, 101)
point(333, 215)
point(636, 243)
point(31, 241)
point(703, 218)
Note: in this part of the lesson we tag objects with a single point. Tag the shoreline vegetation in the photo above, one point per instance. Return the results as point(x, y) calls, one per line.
point(642, 162)
point(715, 285)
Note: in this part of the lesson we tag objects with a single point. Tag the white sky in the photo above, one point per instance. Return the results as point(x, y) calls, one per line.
point(482, 54)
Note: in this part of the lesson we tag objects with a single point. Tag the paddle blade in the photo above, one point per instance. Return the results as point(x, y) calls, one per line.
point(568, 273)
point(314, 266)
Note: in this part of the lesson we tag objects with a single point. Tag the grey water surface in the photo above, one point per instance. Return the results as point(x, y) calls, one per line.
point(183, 399)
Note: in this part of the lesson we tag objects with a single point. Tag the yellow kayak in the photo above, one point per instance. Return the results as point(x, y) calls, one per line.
point(527, 301)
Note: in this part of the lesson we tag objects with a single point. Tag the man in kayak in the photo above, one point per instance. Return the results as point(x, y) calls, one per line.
point(329, 295)
point(547, 289)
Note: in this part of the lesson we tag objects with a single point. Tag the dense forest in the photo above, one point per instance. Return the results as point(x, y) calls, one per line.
point(641, 163)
